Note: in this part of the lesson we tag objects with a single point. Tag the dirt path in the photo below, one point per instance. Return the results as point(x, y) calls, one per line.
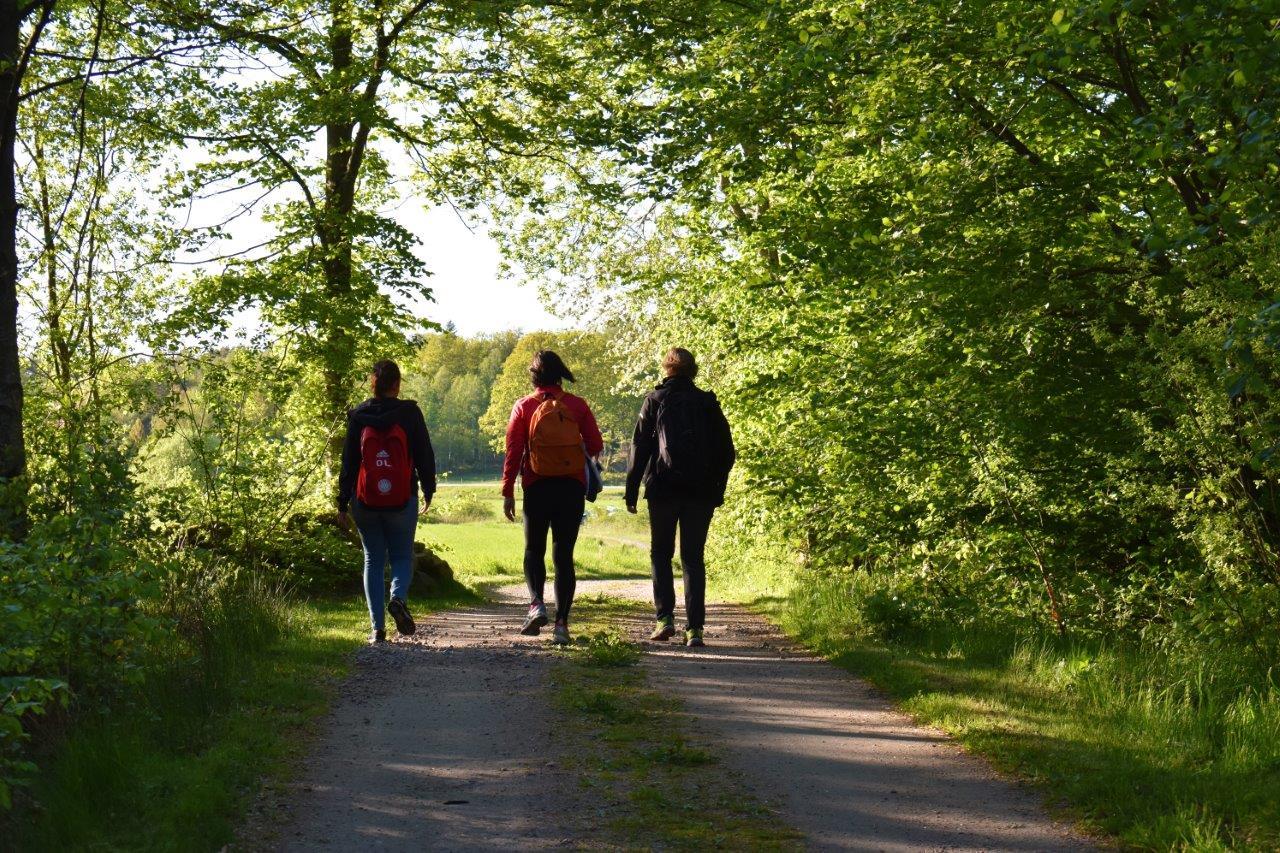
point(436, 744)
point(440, 741)
point(840, 763)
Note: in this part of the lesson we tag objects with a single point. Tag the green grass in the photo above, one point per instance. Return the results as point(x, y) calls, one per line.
point(634, 757)
point(612, 543)
point(173, 765)
point(1159, 752)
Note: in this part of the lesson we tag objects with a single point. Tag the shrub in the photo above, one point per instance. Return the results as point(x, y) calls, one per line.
point(461, 508)
point(72, 628)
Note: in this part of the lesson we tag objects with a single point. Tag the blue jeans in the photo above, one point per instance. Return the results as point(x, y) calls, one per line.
point(387, 538)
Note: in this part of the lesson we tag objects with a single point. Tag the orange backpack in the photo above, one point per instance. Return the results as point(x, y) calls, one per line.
point(555, 441)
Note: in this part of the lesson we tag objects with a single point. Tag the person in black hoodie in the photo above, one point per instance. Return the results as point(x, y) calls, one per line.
point(386, 531)
point(683, 451)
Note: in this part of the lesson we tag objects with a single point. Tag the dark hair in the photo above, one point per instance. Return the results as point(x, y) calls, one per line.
point(679, 362)
point(386, 374)
point(548, 368)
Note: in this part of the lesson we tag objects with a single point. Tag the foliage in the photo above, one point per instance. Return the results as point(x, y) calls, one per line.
point(72, 628)
point(239, 446)
point(451, 377)
point(962, 277)
point(460, 508)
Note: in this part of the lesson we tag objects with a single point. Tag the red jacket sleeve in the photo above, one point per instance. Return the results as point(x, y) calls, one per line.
point(590, 430)
point(517, 439)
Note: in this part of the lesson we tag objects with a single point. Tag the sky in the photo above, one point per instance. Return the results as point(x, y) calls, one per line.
point(463, 260)
point(468, 290)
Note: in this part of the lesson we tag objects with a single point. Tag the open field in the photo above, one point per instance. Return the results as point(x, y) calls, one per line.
point(486, 549)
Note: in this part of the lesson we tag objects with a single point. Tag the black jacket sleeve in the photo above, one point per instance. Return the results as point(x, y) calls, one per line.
point(350, 466)
point(424, 455)
point(727, 454)
point(643, 443)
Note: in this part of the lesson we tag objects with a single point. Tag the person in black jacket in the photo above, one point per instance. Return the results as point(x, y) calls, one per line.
point(683, 451)
point(387, 532)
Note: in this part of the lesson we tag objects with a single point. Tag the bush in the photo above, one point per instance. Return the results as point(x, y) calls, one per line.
point(311, 553)
point(461, 508)
point(72, 628)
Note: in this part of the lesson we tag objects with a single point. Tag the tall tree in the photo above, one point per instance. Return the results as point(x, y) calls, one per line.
point(21, 25)
point(342, 101)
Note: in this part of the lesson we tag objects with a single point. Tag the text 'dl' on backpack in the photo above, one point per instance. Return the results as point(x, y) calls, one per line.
point(555, 440)
point(385, 467)
point(685, 454)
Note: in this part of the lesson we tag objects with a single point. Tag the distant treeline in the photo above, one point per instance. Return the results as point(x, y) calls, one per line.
point(467, 386)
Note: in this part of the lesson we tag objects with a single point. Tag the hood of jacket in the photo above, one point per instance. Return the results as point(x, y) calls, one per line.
point(676, 383)
point(380, 412)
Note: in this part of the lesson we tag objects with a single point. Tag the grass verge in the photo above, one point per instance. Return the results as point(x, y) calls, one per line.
point(173, 765)
point(484, 548)
point(1161, 753)
point(652, 784)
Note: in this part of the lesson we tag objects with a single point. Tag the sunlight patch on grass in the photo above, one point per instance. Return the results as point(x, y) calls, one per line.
point(611, 544)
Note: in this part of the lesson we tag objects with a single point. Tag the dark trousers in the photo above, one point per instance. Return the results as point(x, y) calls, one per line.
point(692, 516)
point(554, 504)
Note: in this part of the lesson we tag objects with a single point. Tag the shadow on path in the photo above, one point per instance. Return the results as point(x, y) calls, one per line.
point(836, 758)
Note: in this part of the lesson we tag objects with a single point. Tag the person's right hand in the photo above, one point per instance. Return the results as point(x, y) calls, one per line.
point(631, 508)
point(509, 508)
point(344, 521)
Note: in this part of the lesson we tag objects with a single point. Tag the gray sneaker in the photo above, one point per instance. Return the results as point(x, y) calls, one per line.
point(693, 637)
point(535, 620)
point(560, 634)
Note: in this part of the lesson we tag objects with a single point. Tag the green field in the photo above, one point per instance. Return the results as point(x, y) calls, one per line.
point(466, 527)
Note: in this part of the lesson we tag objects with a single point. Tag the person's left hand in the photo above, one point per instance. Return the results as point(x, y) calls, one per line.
point(509, 508)
point(631, 508)
point(344, 521)
point(426, 505)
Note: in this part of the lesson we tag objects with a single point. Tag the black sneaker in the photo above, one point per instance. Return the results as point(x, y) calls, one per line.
point(400, 612)
point(693, 637)
point(535, 620)
point(378, 637)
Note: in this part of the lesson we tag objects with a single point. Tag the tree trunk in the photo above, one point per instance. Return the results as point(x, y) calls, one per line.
point(336, 225)
point(13, 457)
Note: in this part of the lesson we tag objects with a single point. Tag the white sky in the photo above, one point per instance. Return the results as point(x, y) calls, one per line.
point(468, 290)
point(463, 261)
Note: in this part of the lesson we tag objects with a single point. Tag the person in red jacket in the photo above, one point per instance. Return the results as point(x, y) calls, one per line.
point(549, 437)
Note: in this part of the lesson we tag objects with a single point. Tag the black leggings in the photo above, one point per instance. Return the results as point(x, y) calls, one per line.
point(693, 516)
point(554, 504)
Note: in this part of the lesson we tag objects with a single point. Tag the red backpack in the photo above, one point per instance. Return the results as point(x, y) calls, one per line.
point(385, 467)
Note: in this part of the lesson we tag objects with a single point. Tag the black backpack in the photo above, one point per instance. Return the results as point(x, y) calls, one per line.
point(685, 453)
